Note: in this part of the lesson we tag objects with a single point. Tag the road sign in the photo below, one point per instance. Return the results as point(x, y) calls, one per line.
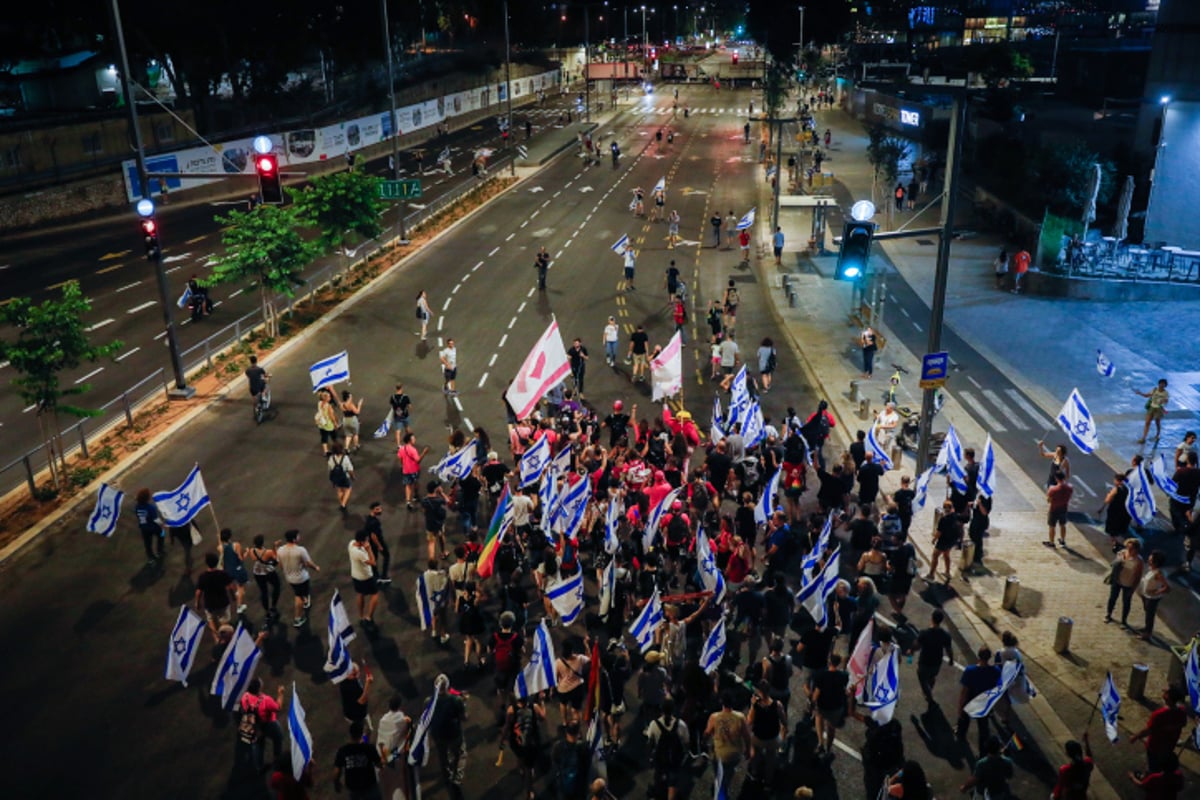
point(935, 368)
point(400, 190)
point(521, 151)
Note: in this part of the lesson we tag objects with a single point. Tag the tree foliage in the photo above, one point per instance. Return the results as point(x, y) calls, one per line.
point(885, 152)
point(1063, 173)
point(997, 63)
point(342, 205)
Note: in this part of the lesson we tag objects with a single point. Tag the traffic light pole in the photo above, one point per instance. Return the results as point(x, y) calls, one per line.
point(181, 390)
point(387, 48)
point(938, 309)
point(512, 162)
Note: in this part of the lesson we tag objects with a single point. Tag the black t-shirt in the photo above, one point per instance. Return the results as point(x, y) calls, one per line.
point(469, 488)
point(639, 339)
point(719, 465)
point(748, 605)
point(256, 375)
point(212, 587)
point(350, 690)
point(672, 276)
point(576, 354)
point(817, 644)
point(832, 684)
point(935, 646)
point(780, 604)
point(951, 532)
point(868, 478)
point(448, 715)
point(904, 500)
point(493, 476)
point(435, 512)
point(400, 404)
point(862, 531)
point(617, 423)
point(357, 761)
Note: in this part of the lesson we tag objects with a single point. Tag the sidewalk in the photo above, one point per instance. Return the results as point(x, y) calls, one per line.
point(1006, 329)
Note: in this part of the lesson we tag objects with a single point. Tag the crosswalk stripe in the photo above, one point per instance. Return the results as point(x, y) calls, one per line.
point(1016, 421)
point(972, 404)
point(1028, 408)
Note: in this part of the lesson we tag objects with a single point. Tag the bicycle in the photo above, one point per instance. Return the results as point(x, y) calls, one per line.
point(262, 403)
point(889, 396)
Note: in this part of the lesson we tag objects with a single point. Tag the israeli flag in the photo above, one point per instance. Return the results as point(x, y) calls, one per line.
point(538, 674)
point(456, 466)
point(1139, 501)
point(567, 598)
point(535, 461)
point(595, 739)
point(1104, 366)
point(329, 371)
point(754, 429)
point(661, 186)
point(575, 525)
point(873, 446)
point(739, 398)
point(813, 557)
point(181, 506)
point(923, 487)
point(612, 518)
point(108, 508)
point(882, 687)
point(444, 155)
point(427, 603)
point(181, 650)
point(569, 502)
point(954, 462)
point(384, 428)
point(418, 750)
point(1110, 706)
point(561, 464)
point(302, 742)
point(982, 704)
point(548, 492)
point(746, 221)
point(771, 170)
point(719, 792)
point(656, 515)
point(341, 633)
point(814, 595)
point(621, 245)
point(1076, 422)
point(986, 481)
point(714, 649)
point(1191, 676)
point(185, 297)
point(236, 668)
point(710, 575)
point(647, 622)
point(1163, 479)
point(716, 433)
point(608, 587)
point(765, 508)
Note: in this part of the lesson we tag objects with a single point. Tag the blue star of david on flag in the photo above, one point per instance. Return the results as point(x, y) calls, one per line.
point(181, 506)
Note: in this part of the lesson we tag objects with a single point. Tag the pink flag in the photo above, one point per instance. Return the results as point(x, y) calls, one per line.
point(666, 370)
point(544, 367)
point(860, 659)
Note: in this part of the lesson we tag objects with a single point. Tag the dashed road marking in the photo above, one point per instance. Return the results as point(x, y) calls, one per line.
point(124, 356)
point(195, 239)
point(57, 285)
point(457, 286)
point(129, 286)
point(161, 335)
point(1028, 408)
point(440, 319)
point(477, 266)
point(142, 307)
point(511, 323)
point(532, 289)
point(503, 339)
point(521, 307)
point(236, 293)
point(974, 382)
point(492, 362)
point(467, 422)
point(458, 404)
point(970, 401)
point(483, 380)
point(1008, 413)
point(495, 250)
point(1086, 488)
point(27, 409)
point(93, 373)
point(109, 269)
point(100, 324)
point(445, 305)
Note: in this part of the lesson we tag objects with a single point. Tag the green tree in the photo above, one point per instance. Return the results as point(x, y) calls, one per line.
point(998, 63)
point(264, 247)
point(1063, 173)
point(884, 152)
point(342, 205)
point(51, 338)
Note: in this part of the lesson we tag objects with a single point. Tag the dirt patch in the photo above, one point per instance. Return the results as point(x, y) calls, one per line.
point(19, 511)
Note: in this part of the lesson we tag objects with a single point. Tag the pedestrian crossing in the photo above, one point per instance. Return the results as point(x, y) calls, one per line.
point(555, 113)
point(1003, 412)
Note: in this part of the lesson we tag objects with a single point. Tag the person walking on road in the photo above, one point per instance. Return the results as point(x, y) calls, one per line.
point(976, 679)
point(768, 359)
point(866, 341)
point(1021, 263)
point(1116, 516)
point(672, 229)
point(1000, 268)
point(446, 731)
point(351, 410)
point(449, 359)
point(263, 566)
point(1076, 774)
point(1163, 729)
point(383, 556)
point(744, 244)
point(153, 535)
point(232, 561)
point(1125, 573)
point(1156, 407)
point(630, 256)
point(362, 573)
point(946, 537)
point(356, 764)
point(639, 353)
point(326, 420)
point(296, 563)
point(777, 245)
point(715, 222)
point(672, 281)
point(730, 229)
point(829, 699)
point(612, 338)
point(400, 403)
point(214, 594)
point(542, 265)
point(934, 646)
point(434, 505)
point(341, 474)
point(424, 312)
point(577, 355)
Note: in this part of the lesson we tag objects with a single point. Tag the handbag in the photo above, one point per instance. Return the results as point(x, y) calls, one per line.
point(1114, 571)
point(195, 535)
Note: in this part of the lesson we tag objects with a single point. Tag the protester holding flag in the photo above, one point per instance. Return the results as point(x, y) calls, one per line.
point(1076, 774)
point(214, 594)
point(829, 697)
point(1163, 729)
point(522, 732)
point(326, 420)
point(1059, 461)
point(153, 536)
point(976, 679)
point(355, 764)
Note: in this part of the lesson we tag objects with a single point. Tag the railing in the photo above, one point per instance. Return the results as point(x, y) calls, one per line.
point(121, 410)
point(1111, 260)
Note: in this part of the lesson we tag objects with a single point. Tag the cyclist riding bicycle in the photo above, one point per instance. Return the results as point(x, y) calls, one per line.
point(256, 378)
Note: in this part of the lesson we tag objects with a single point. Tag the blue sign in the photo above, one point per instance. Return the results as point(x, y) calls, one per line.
point(935, 368)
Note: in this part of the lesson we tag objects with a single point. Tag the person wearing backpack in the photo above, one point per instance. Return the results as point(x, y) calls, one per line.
point(665, 737)
point(777, 669)
point(258, 718)
point(523, 734)
point(768, 722)
point(816, 430)
point(731, 741)
point(572, 759)
point(506, 646)
point(341, 474)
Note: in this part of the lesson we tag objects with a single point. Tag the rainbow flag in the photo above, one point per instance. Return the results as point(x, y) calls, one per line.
point(491, 543)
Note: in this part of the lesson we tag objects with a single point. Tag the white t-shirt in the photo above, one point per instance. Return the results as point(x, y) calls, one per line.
point(611, 334)
point(450, 356)
point(522, 506)
point(393, 730)
point(729, 351)
point(360, 558)
point(629, 259)
point(292, 559)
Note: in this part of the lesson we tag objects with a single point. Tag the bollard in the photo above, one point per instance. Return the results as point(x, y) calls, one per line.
point(853, 391)
point(1138, 674)
point(897, 455)
point(864, 408)
point(786, 283)
point(1062, 635)
point(966, 559)
point(1012, 587)
point(791, 299)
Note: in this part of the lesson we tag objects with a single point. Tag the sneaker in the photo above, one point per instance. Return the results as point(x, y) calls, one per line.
point(308, 601)
point(383, 580)
point(445, 638)
point(242, 608)
point(298, 622)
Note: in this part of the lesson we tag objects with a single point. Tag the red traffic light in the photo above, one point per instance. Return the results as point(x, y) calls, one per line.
point(266, 165)
point(735, 58)
point(149, 227)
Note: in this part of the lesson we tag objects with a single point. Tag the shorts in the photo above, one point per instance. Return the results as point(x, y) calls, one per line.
point(328, 437)
point(574, 698)
point(342, 483)
point(431, 536)
point(834, 716)
point(409, 478)
point(1154, 413)
point(726, 370)
point(1056, 516)
point(778, 251)
point(640, 359)
point(219, 616)
point(301, 589)
point(450, 374)
point(629, 273)
point(367, 587)
point(673, 229)
point(401, 423)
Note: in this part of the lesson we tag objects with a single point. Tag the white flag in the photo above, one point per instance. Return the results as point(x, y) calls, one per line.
point(180, 507)
point(181, 650)
point(544, 367)
point(236, 668)
point(739, 398)
point(329, 371)
point(881, 688)
point(666, 370)
point(754, 427)
point(538, 674)
point(567, 598)
point(302, 751)
point(108, 508)
point(535, 460)
point(1076, 421)
point(860, 657)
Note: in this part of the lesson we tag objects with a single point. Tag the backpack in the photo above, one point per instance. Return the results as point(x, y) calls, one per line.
point(772, 361)
point(249, 725)
point(525, 732)
point(505, 649)
point(816, 430)
point(778, 674)
point(668, 751)
point(337, 473)
point(699, 496)
point(571, 771)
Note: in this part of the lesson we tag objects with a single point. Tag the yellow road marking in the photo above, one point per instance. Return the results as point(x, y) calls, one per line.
point(111, 256)
point(195, 239)
point(109, 269)
point(56, 285)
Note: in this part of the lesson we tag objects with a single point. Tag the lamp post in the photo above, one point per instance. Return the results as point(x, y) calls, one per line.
point(645, 45)
point(512, 162)
point(387, 48)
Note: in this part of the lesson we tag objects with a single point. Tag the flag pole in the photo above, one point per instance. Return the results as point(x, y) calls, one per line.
point(216, 522)
point(1092, 716)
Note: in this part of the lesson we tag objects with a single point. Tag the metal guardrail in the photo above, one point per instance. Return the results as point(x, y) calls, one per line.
point(1115, 261)
point(121, 409)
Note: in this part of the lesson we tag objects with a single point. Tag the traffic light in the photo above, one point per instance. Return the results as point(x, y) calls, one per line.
point(856, 250)
point(735, 57)
point(269, 185)
point(150, 234)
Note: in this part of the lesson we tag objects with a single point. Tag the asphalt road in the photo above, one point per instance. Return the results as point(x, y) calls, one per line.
point(107, 258)
point(87, 626)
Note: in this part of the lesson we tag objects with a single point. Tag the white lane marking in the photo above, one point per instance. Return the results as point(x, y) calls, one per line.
point(142, 307)
point(466, 277)
point(440, 341)
point(89, 375)
point(556, 194)
point(457, 286)
point(1086, 488)
point(100, 324)
point(129, 286)
point(973, 404)
point(547, 203)
point(1008, 413)
point(918, 327)
point(483, 380)
point(532, 289)
point(509, 237)
point(1029, 409)
point(521, 307)
point(445, 305)
point(458, 404)
point(174, 269)
point(974, 382)
point(556, 255)
point(492, 363)
point(512, 322)
point(477, 266)
point(28, 408)
point(523, 224)
point(235, 294)
point(904, 311)
point(467, 422)
point(503, 339)
point(495, 250)
point(534, 214)
point(160, 335)
point(847, 749)
point(440, 322)
point(124, 356)
point(217, 303)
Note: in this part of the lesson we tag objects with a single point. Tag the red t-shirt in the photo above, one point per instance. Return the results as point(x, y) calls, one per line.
point(1060, 496)
point(1165, 725)
point(744, 238)
point(264, 705)
point(1073, 781)
point(1163, 785)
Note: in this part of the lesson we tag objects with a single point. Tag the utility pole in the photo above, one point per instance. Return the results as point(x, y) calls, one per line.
point(181, 390)
point(387, 48)
point(938, 309)
point(512, 162)
point(587, 66)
